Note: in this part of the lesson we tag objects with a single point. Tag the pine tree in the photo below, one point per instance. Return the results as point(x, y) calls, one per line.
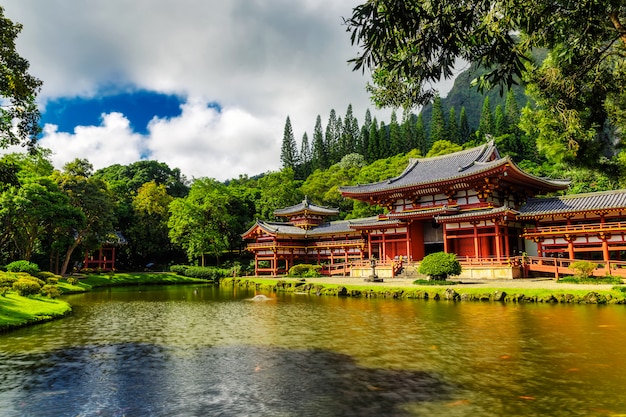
point(349, 134)
point(365, 133)
point(383, 141)
point(305, 157)
point(407, 130)
point(319, 157)
point(500, 125)
point(437, 122)
point(396, 145)
point(331, 138)
point(512, 111)
point(421, 140)
point(454, 134)
point(485, 126)
point(373, 153)
point(289, 150)
point(464, 129)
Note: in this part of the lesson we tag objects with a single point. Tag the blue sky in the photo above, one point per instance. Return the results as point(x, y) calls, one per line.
point(202, 86)
point(139, 107)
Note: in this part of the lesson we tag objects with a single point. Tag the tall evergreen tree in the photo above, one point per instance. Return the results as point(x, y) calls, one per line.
point(365, 133)
point(289, 150)
point(512, 111)
point(373, 152)
point(454, 134)
point(407, 130)
point(421, 139)
point(349, 134)
point(383, 141)
point(319, 156)
point(500, 125)
point(485, 126)
point(437, 122)
point(305, 157)
point(464, 129)
point(396, 144)
point(331, 138)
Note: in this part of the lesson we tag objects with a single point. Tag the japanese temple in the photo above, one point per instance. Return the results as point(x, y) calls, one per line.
point(473, 203)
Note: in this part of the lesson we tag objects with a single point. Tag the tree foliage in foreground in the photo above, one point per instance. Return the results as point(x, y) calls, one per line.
point(580, 88)
point(440, 265)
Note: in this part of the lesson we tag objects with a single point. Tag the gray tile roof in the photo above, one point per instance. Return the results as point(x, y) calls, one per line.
point(428, 170)
point(615, 199)
point(454, 166)
point(308, 206)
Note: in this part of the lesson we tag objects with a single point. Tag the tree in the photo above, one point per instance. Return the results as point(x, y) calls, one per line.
point(453, 133)
point(464, 129)
point(305, 157)
point(93, 200)
point(19, 116)
point(440, 265)
point(421, 140)
point(331, 138)
point(373, 150)
point(409, 46)
point(500, 125)
point(200, 222)
point(289, 150)
point(437, 122)
point(396, 144)
point(148, 234)
point(319, 154)
point(365, 134)
point(443, 147)
point(485, 126)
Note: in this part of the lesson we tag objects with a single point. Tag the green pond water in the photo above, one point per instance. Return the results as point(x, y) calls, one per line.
point(206, 351)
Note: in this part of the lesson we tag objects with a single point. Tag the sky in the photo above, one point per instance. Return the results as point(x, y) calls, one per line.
point(204, 86)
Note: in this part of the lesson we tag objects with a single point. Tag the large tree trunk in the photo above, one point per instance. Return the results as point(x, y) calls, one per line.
point(68, 255)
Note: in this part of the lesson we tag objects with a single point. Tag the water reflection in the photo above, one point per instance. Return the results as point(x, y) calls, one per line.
point(207, 351)
point(142, 379)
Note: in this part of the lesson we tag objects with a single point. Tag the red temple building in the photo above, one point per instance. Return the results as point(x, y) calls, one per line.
point(473, 203)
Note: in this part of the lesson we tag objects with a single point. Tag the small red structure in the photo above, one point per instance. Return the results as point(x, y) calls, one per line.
point(103, 258)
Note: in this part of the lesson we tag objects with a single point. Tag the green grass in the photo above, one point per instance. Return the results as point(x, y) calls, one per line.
point(16, 311)
point(90, 281)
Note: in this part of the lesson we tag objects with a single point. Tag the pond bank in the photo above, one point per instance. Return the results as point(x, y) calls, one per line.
point(533, 290)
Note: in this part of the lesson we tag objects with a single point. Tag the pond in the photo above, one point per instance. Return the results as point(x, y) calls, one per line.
point(205, 350)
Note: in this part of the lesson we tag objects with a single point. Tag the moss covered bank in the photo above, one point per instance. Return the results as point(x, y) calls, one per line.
point(453, 293)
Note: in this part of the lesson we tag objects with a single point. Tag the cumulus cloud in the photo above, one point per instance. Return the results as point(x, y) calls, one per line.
point(260, 60)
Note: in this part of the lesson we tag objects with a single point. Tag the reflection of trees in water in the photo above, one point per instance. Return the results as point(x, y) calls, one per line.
point(143, 379)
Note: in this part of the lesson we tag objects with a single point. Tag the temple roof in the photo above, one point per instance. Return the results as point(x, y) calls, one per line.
point(454, 166)
point(305, 206)
point(476, 214)
point(604, 200)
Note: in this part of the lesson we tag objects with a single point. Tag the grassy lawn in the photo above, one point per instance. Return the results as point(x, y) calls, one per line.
point(87, 282)
point(18, 311)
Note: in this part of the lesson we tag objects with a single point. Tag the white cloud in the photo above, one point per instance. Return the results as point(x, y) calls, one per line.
point(262, 60)
point(113, 142)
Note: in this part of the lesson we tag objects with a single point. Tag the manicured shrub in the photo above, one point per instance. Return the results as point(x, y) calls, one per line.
point(45, 275)
point(23, 266)
point(179, 269)
point(440, 265)
point(51, 291)
point(584, 269)
point(26, 287)
point(7, 280)
point(305, 271)
point(72, 280)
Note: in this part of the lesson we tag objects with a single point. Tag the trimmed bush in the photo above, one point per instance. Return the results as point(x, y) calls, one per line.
point(26, 287)
point(305, 271)
point(179, 269)
point(51, 291)
point(202, 272)
point(440, 265)
point(583, 268)
point(72, 280)
point(23, 266)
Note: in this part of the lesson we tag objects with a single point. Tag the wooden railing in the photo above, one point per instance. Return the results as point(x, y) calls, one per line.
point(577, 228)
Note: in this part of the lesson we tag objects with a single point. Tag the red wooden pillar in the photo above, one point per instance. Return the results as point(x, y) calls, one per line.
point(476, 246)
point(445, 238)
point(498, 240)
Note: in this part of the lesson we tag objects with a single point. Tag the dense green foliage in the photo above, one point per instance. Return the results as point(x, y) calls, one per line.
point(439, 265)
point(305, 271)
point(23, 266)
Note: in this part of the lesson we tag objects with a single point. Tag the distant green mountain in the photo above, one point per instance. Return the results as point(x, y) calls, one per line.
point(463, 94)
